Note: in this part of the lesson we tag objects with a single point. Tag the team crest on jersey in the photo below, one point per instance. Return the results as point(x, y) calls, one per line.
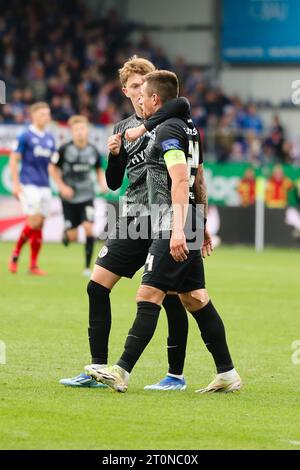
point(152, 134)
point(103, 252)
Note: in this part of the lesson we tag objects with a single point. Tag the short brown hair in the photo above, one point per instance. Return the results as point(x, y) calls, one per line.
point(163, 83)
point(77, 118)
point(135, 65)
point(36, 106)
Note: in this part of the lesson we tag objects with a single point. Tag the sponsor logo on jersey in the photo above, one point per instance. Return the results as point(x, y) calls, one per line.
point(80, 167)
point(39, 151)
point(138, 158)
point(170, 144)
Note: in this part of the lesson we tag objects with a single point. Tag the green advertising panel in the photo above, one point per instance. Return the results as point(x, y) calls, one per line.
point(223, 181)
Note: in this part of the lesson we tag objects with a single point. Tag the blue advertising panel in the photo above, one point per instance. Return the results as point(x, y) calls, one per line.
point(261, 31)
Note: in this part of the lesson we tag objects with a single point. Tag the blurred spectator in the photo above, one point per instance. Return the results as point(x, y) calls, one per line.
point(267, 154)
point(253, 146)
point(246, 188)
point(224, 139)
point(278, 187)
point(251, 121)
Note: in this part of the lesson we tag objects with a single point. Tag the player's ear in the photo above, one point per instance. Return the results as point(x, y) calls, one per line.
point(125, 91)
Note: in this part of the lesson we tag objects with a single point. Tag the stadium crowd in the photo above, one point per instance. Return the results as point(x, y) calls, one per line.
point(60, 53)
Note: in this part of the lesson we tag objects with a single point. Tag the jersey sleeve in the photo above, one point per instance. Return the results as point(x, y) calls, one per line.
point(20, 144)
point(116, 166)
point(171, 137)
point(172, 142)
point(58, 156)
point(178, 107)
point(99, 160)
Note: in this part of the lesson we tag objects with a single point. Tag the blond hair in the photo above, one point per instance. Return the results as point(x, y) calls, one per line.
point(36, 106)
point(76, 119)
point(135, 65)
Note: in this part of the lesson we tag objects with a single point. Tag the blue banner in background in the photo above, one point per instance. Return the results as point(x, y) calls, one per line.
point(261, 31)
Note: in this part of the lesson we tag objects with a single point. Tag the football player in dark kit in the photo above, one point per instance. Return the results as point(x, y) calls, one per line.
point(176, 185)
point(122, 255)
point(72, 169)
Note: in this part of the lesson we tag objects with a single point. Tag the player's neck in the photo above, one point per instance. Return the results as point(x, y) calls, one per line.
point(138, 112)
point(37, 129)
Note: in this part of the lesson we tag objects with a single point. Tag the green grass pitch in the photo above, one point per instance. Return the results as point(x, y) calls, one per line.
point(43, 323)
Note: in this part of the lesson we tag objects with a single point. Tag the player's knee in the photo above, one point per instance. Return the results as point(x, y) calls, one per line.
point(104, 277)
point(72, 235)
point(195, 300)
point(150, 294)
point(35, 222)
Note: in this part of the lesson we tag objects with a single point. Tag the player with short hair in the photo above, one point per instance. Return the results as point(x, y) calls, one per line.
point(72, 169)
point(124, 256)
point(176, 184)
point(34, 149)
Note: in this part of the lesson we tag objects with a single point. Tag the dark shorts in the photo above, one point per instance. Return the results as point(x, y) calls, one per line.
point(123, 255)
point(76, 214)
point(164, 273)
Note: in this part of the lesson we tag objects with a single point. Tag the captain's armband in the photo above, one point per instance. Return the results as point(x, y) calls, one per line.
point(173, 157)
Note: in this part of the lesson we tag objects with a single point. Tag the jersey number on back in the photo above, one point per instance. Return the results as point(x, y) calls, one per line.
point(193, 161)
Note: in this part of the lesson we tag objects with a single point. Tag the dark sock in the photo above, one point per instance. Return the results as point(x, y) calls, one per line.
point(178, 331)
point(89, 248)
point(140, 334)
point(213, 334)
point(99, 321)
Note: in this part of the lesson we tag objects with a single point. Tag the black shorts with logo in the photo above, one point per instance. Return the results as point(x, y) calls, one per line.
point(164, 273)
point(123, 255)
point(76, 214)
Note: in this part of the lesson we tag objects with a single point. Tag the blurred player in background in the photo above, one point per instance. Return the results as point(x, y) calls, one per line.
point(34, 149)
point(72, 169)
